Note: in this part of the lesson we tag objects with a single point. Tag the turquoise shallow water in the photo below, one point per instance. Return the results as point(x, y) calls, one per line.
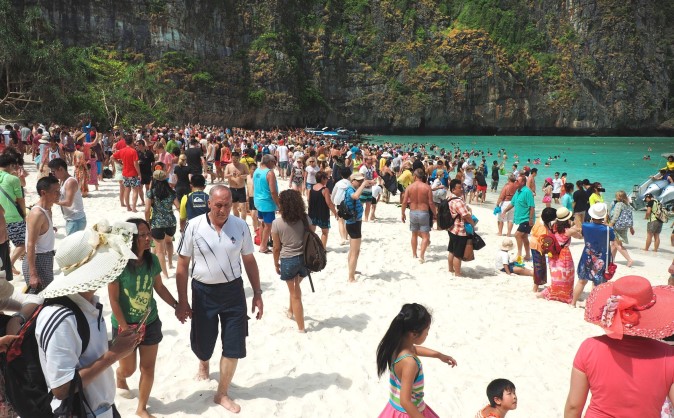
point(615, 162)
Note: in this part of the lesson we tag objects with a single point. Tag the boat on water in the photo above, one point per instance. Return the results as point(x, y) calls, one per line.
point(338, 134)
point(661, 189)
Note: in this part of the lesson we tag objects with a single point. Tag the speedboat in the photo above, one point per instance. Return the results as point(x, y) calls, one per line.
point(661, 189)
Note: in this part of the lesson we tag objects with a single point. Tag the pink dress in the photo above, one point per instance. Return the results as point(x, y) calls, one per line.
point(562, 273)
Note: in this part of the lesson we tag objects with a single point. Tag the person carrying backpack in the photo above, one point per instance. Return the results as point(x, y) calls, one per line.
point(195, 203)
point(71, 333)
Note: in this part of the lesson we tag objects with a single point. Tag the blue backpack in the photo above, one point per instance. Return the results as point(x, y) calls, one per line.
point(197, 204)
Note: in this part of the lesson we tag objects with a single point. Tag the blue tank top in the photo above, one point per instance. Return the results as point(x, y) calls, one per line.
point(262, 196)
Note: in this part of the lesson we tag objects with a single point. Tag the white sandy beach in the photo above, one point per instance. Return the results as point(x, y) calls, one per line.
point(490, 323)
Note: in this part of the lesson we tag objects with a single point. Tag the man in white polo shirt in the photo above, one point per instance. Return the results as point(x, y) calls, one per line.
point(217, 244)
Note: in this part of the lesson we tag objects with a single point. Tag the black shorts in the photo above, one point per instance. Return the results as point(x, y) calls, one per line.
point(221, 304)
point(524, 227)
point(374, 200)
point(457, 245)
point(238, 195)
point(161, 233)
point(145, 179)
point(6, 260)
point(153, 334)
point(251, 204)
point(555, 195)
point(354, 230)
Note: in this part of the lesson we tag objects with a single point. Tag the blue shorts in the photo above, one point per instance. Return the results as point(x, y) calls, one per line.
point(292, 267)
point(283, 165)
point(321, 223)
point(511, 266)
point(309, 185)
point(219, 304)
point(267, 217)
point(76, 225)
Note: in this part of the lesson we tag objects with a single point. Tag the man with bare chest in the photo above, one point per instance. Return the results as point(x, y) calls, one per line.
point(420, 199)
point(236, 173)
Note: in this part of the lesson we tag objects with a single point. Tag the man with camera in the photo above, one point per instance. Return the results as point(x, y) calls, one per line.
point(353, 225)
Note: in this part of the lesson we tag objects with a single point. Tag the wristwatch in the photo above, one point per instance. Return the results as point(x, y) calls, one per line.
point(20, 315)
point(257, 292)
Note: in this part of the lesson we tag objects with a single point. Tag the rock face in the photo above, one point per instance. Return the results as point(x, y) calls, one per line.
point(401, 65)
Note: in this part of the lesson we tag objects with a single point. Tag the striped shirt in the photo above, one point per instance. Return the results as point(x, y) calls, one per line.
point(216, 258)
point(417, 386)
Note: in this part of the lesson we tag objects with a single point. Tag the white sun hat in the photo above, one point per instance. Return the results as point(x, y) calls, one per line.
point(92, 258)
point(598, 211)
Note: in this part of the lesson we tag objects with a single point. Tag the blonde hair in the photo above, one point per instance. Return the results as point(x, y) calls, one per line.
point(621, 196)
point(182, 160)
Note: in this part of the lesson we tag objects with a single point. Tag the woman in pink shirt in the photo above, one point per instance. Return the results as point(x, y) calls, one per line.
point(628, 372)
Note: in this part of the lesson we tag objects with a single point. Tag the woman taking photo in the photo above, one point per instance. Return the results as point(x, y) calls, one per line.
point(130, 296)
point(159, 214)
point(288, 235)
point(320, 206)
point(622, 222)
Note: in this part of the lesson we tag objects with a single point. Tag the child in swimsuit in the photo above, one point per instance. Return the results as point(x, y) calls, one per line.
point(399, 352)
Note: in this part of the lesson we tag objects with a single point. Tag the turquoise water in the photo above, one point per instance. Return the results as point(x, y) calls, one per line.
point(617, 163)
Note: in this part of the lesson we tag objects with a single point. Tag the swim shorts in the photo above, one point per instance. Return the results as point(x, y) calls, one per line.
point(420, 221)
point(131, 181)
point(238, 195)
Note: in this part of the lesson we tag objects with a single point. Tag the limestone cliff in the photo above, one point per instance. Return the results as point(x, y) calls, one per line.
point(396, 65)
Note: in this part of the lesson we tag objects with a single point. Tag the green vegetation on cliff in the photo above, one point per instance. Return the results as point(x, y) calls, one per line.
point(389, 64)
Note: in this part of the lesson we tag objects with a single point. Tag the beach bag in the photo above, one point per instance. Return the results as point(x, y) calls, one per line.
point(344, 212)
point(624, 220)
point(25, 385)
point(445, 218)
point(107, 173)
point(659, 213)
point(468, 252)
point(549, 245)
point(478, 242)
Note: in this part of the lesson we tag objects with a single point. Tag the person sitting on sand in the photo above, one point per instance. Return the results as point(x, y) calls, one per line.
point(504, 264)
point(502, 398)
point(399, 352)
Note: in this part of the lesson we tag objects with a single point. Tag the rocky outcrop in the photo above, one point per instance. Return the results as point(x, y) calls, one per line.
point(397, 65)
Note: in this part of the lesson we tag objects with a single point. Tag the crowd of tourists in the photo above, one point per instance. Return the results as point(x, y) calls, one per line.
point(166, 171)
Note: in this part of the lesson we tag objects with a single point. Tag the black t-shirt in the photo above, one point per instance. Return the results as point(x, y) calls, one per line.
point(193, 156)
point(481, 181)
point(145, 160)
point(582, 201)
point(183, 176)
point(417, 164)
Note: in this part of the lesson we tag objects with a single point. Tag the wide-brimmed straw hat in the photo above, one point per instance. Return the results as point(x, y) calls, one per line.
point(92, 258)
point(321, 157)
point(385, 154)
point(563, 214)
point(507, 244)
point(357, 177)
point(598, 211)
point(631, 306)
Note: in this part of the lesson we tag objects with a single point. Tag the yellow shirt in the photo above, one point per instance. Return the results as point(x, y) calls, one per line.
point(183, 208)
point(382, 163)
point(406, 178)
point(595, 198)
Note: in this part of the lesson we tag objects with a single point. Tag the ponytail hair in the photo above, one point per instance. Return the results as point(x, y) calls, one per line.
point(412, 318)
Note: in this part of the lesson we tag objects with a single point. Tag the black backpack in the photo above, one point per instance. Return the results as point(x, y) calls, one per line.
point(445, 218)
point(25, 385)
point(315, 256)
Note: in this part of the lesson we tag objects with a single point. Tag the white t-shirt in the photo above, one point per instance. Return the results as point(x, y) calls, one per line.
point(282, 153)
point(61, 344)
point(216, 258)
point(369, 175)
point(297, 155)
point(502, 257)
point(272, 148)
point(556, 185)
point(469, 178)
point(311, 174)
